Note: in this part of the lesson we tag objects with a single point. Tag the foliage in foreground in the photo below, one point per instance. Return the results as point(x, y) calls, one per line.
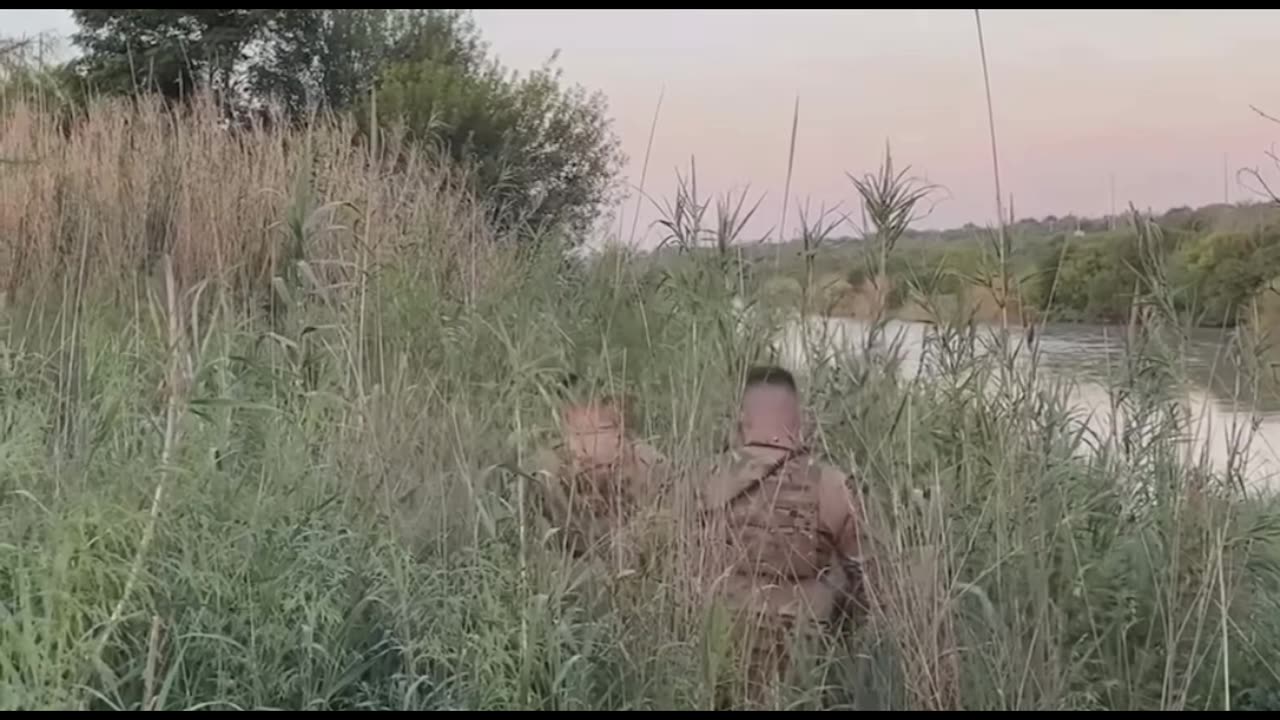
point(339, 525)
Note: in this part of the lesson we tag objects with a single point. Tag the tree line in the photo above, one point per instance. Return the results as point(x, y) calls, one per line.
point(541, 152)
point(1218, 260)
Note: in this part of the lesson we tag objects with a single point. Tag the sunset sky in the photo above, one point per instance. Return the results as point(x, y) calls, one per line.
point(1156, 97)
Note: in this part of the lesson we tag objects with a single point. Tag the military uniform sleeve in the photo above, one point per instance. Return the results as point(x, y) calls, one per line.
point(840, 520)
point(837, 513)
point(547, 467)
point(653, 476)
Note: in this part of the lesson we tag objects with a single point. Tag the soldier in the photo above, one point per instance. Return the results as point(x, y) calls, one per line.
point(780, 542)
point(596, 480)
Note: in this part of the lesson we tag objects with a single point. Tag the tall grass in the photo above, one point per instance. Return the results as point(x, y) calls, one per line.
point(116, 189)
point(341, 524)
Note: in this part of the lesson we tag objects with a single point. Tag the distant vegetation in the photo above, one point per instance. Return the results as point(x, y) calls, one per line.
point(1217, 260)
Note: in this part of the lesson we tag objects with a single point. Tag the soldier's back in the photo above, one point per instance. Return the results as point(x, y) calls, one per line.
point(763, 523)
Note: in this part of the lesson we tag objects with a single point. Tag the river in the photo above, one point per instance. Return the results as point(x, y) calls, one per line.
point(1086, 358)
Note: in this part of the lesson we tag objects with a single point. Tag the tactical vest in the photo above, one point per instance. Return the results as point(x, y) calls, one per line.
point(768, 514)
point(598, 496)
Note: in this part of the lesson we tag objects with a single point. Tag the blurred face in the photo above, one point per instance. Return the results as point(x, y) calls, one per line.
point(771, 415)
point(593, 432)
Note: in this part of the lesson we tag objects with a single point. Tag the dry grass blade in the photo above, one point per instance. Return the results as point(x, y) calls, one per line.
point(995, 171)
point(175, 391)
point(786, 186)
point(644, 168)
point(149, 698)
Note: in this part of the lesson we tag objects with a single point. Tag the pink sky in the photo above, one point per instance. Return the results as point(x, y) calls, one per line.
point(1155, 97)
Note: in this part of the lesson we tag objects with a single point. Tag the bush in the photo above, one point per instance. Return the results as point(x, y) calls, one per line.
point(542, 155)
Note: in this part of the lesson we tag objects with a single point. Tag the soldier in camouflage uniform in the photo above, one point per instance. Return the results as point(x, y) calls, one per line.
point(596, 480)
point(780, 541)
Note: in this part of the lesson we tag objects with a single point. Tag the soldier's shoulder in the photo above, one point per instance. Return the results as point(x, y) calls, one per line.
point(735, 462)
point(647, 454)
point(712, 465)
point(727, 457)
point(716, 469)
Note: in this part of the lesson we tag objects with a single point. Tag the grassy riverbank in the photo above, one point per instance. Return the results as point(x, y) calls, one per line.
point(287, 484)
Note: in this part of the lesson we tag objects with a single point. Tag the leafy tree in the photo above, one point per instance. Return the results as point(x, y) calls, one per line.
point(169, 51)
point(332, 58)
point(25, 77)
point(1092, 280)
point(300, 57)
point(1222, 271)
point(542, 153)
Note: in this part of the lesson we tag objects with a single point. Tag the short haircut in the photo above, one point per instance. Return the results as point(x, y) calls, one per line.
point(771, 376)
point(574, 392)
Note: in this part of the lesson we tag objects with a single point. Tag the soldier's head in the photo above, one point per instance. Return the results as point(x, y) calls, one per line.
point(770, 413)
point(596, 414)
point(594, 429)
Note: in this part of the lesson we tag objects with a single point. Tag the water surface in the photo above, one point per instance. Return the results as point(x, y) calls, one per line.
point(1224, 401)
